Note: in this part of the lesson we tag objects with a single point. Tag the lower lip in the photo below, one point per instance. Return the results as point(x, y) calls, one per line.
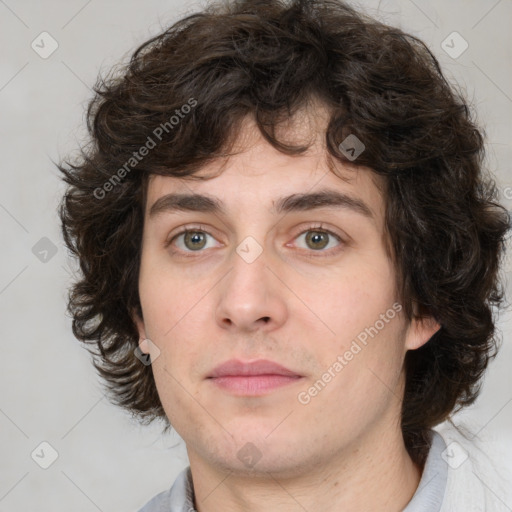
point(253, 385)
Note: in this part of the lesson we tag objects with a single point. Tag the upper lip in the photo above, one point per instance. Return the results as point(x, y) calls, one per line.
point(234, 367)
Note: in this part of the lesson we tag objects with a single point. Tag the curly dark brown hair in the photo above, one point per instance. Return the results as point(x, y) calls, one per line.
point(267, 59)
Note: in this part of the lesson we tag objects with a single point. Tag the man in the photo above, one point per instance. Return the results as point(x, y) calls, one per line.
point(290, 254)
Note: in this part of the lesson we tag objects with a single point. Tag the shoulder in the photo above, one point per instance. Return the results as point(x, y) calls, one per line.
point(159, 503)
point(179, 498)
point(477, 479)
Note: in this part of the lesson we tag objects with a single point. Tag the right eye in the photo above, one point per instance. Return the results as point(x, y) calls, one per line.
point(190, 240)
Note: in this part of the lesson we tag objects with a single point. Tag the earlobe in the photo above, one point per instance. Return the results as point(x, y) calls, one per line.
point(420, 331)
point(144, 345)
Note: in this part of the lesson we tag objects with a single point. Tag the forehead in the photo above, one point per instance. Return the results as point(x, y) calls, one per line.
point(258, 176)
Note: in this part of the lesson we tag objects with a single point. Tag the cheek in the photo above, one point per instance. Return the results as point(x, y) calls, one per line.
point(167, 297)
point(369, 328)
point(177, 398)
point(361, 298)
point(170, 325)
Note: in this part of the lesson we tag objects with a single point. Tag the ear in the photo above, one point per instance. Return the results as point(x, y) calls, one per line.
point(143, 341)
point(420, 330)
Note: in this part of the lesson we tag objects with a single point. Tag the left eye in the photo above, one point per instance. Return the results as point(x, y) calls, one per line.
point(318, 239)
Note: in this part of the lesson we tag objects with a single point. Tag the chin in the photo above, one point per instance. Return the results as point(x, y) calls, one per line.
point(253, 452)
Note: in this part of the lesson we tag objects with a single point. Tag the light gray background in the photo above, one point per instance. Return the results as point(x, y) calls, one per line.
point(49, 389)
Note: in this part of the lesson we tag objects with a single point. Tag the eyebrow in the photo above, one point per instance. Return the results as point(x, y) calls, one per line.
point(296, 202)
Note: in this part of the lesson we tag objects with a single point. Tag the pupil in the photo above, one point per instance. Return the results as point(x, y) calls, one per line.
point(195, 237)
point(316, 237)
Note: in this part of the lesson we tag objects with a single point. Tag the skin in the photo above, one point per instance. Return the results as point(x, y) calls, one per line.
point(343, 450)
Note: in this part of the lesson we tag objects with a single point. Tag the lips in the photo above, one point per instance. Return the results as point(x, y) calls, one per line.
point(252, 379)
point(236, 368)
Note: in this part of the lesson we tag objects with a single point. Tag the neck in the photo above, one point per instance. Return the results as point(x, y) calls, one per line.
point(374, 473)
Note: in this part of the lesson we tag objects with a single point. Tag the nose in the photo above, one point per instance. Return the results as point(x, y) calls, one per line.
point(251, 296)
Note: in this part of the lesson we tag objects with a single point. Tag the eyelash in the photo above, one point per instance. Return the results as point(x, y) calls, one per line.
point(316, 227)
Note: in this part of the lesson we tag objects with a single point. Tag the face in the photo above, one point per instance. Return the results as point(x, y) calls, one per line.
point(305, 285)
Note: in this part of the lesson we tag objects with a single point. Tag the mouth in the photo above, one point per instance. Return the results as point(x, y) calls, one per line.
point(252, 378)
